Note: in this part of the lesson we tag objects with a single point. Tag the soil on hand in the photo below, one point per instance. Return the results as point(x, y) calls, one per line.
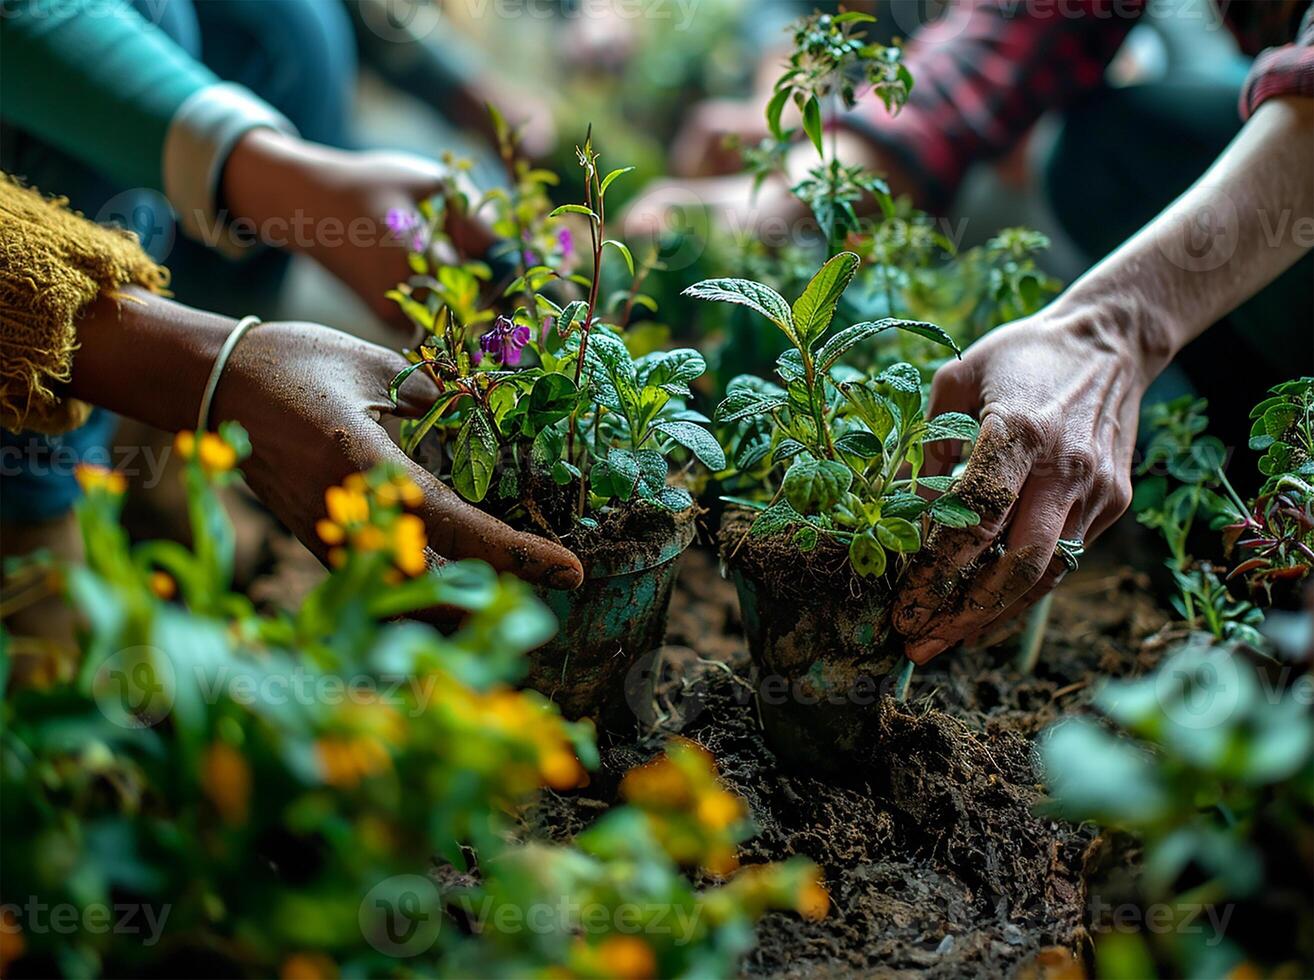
point(937, 864)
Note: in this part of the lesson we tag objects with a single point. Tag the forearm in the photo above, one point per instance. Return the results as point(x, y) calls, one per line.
point(1249, 218)
point(146, 357)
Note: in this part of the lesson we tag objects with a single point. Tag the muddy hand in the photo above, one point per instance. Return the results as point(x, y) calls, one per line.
point(1058, 405)
point(311, 399)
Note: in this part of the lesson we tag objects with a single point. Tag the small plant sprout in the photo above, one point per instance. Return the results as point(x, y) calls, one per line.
point(851, 445)
point(830, 68)
point(548, 394)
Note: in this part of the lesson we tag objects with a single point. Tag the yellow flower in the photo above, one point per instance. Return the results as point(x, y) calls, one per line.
point(163, 585)
point(329, 532)
point(409, 539)
point(184, 443)
point(308, 966)
point(813, 900)
point(226, 780)
point(216, 455)
point(401, 489)
point(560, 769)
point(347, 506)
point(627, 958)
point(346, 761)
point(92, 478)
point(718, 810)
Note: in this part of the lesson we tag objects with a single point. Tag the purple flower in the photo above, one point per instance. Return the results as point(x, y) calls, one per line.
point(565, 242)
point(408, 225)
point(505, 341)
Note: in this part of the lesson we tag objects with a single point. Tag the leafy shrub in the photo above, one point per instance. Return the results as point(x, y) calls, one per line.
point(587, 414)
point(272, 786)
point(1210, 765)
point(853, 442)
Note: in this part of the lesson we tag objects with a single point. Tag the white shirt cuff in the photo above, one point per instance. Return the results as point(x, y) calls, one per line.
point(201, 134)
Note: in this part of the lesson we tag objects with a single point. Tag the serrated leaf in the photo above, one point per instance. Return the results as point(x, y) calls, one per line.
point(475, 457)
point(696, 439)
point(859, 442)
point(744, 403)
point(672, 370)
point(816, 485)
point(571, 314)
point(752, 451)
point(789, 365)
point(952, 512)
point(814, 310)
point(744, 292)
point(788, 449)
point(951, 425)
point(904, 504)
point(673, 499)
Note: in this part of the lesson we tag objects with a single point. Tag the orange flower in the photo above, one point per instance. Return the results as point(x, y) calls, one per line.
point(813, 900)
point(626, 958)
point(11, 940)
point(346, 761)
point(409, 539)
point(226, 780)
point(163, 585)
point(216, 455)
point(401, 489)
point(308, 966)
point(347, 506)
point(92, 478)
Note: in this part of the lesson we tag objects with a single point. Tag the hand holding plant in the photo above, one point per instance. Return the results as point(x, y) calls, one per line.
point(1058, 396)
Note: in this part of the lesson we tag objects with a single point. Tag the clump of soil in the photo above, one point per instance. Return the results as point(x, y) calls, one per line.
point(935, 861)
point(786, 570)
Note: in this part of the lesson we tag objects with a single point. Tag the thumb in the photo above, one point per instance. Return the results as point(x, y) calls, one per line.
point(459, 530)
point(952, 390)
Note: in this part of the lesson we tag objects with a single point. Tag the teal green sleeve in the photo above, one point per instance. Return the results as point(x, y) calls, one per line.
point(96, 80)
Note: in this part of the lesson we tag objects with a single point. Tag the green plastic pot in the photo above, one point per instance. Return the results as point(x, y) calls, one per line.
point(616, 616)
point(824, 657)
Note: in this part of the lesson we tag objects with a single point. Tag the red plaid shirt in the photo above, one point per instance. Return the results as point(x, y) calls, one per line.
point(988, 69)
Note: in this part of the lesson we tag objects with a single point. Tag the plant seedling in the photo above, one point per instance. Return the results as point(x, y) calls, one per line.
point(852, 445)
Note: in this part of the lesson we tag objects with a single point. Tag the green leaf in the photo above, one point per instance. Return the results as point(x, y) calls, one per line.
point(952, 512)
point(744, 292)
point(899, 535)
point(789, 365)
point(853, 17)
point(788, 449)
point(872, 407)
point(696, 439)
point(573, 209)
point(776, 518)
point(624, 251)
point(816, 485)
point(805, 538)
point(867, 556)
point(752, 451)
point(606, 181)
point(673, 499)
point(812, 123)
point(672, 370)
point(859, 442)
point(571, 314)
point(475, 457)
point(841, 343)
point(400, 379)
point(814, 310)
point(745, 402)
point(951, 425)
point(773, 112)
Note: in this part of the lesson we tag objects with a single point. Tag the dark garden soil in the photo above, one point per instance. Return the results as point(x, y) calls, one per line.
point(936, 864)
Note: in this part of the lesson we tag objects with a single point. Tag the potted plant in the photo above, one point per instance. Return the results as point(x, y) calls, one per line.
point(835, 504)
point(550, 422)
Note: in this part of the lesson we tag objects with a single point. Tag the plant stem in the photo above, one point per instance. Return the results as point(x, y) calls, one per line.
point(1033, 637)
point(904, 681)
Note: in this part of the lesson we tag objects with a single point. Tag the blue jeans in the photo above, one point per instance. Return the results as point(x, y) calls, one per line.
point(298, 55)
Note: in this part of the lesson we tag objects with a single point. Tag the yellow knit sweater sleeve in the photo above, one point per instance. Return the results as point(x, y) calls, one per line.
point(53, 264)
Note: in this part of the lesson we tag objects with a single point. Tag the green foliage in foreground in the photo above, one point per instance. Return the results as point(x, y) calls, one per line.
point(268, 792)
point(1210, 765)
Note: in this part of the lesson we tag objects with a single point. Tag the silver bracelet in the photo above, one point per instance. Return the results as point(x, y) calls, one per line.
point(243, 325)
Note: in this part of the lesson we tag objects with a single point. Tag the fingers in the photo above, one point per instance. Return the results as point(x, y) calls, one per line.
point(1046, 511)
point(994, 477)
point(460, 530)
